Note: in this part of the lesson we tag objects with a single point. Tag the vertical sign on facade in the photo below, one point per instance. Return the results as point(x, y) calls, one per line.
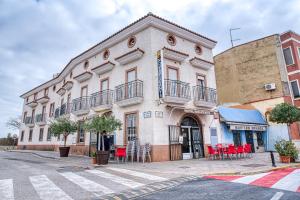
point(160, 68)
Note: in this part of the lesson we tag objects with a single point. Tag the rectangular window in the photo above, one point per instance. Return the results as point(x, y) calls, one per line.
point(237, 138)
point(295, 88)
point(288, 56)
point(131, 75)
point(35, 96)
point(22, 136)
point(41, 134)
point(30, 135)
point(46, 91)
point(80, 138)
point(131, 126)
point(33, 115)
point(51, 110)
point(48, 135)
point(24, 116)
point(213, 136)
point(201, 80)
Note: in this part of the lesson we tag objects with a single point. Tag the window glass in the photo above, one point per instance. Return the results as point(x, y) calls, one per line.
point(41, 134)
point(201, 80)
point(80, 133)
point(30, 135)
point(104, 85)
point(236, 138)
point(260, 140)
point(22, 136)
point(288, 56)
point(131, 126)
point(48, 135)
point(295, 88)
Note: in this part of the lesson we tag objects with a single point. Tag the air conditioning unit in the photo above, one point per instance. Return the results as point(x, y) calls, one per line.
point(270, 86)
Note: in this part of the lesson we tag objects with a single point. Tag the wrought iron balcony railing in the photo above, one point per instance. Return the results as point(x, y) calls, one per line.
point(179, 89)
point(206, 94)
point(81, 103)
point(129, 90)
point(102, 98)
point(40, 118)
point(29, 120)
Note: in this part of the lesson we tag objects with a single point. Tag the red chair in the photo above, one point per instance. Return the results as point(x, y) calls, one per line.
point(120, 153)
point(240, 151)
point(231, 151)
point(212, 153)
point(248, 150)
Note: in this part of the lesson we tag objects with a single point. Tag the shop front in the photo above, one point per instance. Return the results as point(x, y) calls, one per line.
point(239, 127)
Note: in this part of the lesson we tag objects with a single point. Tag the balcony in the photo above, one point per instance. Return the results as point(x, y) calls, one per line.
point(68, 85)
point(29, 121)
point(40, 119)
point(102, 100)
point(32, 104)
point(83, 77)
point(81, 106)
point(177, 92)
point(204, 96)
point(130, 93)
point(43, 99)
point(65, 110)
point(201, 64)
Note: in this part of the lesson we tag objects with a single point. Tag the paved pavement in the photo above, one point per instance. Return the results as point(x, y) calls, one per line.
point(210, 189)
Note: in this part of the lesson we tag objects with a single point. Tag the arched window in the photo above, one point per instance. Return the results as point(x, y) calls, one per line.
point(131, 41)
point(171, 40)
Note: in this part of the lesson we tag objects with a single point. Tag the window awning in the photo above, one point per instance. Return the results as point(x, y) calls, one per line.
point(234, 116)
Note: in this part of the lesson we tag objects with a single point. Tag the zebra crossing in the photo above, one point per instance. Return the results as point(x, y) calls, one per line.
point(285, 179)
point(102, 184)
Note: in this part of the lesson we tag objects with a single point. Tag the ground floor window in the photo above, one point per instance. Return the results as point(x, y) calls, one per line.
point(22, 136)
point(237, 138)
point(30, 135)
point(41, 134)
point(131, 126)
point(80, 138)
point(260, 140)
point(48, 135)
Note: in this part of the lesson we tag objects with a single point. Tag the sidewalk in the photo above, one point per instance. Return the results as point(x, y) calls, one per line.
point(260, 162)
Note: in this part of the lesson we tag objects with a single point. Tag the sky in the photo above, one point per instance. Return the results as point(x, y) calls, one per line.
point(39, 37)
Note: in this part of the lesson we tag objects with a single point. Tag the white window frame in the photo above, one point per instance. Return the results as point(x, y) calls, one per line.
point(289, 47)
point(292, 88)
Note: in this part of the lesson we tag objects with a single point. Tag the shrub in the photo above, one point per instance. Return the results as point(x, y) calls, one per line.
point(286, 148)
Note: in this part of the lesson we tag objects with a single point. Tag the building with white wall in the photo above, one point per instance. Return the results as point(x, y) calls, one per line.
point(155, 76)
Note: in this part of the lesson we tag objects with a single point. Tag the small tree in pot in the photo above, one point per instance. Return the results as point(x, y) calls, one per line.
point(65, 127)
point(286, 150)
point(103, 125)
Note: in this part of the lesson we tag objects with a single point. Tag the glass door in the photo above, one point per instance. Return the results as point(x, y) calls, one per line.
point(186, 142)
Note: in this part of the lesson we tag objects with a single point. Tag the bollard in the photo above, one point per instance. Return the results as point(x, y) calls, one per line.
point(273, 159)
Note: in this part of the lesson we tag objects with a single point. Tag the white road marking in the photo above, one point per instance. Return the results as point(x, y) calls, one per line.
point(86, 184)
point(46, 189)
point(277, 196)
point(117, 179)
point(290, 182)
point(249, 179)
point(139, 174)
point(6, 189)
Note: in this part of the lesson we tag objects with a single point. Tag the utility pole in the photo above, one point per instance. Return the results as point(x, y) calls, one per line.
point(230, 32)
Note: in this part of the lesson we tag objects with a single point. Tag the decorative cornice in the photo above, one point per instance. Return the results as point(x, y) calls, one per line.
point(103, 68)
point(174, 55)
point(200, 63)
point(130, 56)
point(149, 20)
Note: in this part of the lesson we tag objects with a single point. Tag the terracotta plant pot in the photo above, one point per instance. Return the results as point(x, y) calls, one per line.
point(285, 159)
point(102, 157)
point(94, 160)
point(64, 151)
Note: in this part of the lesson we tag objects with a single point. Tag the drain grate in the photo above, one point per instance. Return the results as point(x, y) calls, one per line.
point(254, 165)
point(71, 169)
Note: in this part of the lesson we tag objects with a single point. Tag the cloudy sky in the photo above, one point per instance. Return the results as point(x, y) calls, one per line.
point(38, 37)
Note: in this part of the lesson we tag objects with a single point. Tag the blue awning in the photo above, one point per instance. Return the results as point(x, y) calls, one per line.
point(241, 116)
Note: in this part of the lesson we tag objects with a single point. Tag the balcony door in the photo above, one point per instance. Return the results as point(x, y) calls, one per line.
point(201, 84)
point(104, 86)
point(173, 77)
point(83, 101)
point(131, 76)
point(84, 91)
point(43, 112)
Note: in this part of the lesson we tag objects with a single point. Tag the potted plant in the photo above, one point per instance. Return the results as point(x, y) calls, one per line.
point(93, 155)
point(287, 151)
point(65, 127)
point(103, 125)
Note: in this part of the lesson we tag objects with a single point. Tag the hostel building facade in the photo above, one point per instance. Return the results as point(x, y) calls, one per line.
point(157, 77)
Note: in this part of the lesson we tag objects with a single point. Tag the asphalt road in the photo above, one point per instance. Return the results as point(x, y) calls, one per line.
point(211, 189)
point(25, 176)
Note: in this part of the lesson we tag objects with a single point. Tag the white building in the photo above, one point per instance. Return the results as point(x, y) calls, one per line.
point(155, 76)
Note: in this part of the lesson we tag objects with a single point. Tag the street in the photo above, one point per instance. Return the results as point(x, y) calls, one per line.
point(29, 177)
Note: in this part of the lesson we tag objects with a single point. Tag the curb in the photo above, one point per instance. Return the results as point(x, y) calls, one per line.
point(257, 171)
point(34, 153)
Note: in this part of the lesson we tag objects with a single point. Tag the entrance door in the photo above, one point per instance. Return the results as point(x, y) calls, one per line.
point(237, 138)
point(249, 139)
point(197, 142)
point(186, 146)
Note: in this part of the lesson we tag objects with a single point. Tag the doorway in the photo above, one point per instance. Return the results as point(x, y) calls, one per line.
point(192, 138)
point(249, 139)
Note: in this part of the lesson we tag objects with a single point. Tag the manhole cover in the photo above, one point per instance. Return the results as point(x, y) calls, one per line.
point(71, 169)
point(24, 160)
point(253, 165)
point(184, 167)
